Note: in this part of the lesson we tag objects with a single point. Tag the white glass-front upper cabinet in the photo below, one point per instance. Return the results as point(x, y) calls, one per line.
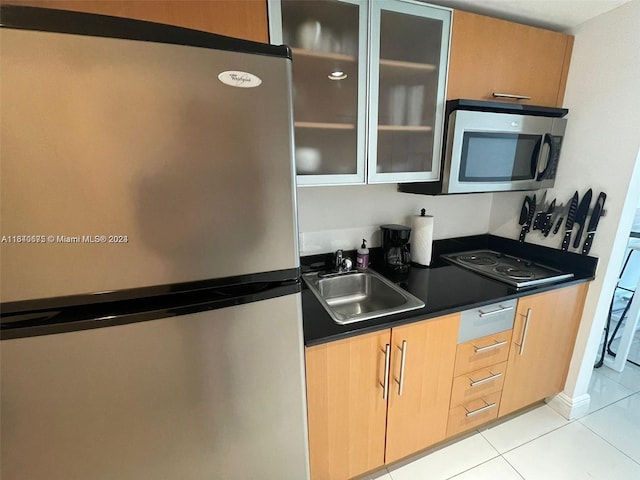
point(368, 88)
point(409, 51)
point(329, 45)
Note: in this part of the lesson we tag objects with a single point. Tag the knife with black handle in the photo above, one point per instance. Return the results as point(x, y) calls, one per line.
point(568, 226)
point(581, 216)
point(561, 216)
point(524, 217)
point(548, 215)
point(528, 207)
point(593, 222)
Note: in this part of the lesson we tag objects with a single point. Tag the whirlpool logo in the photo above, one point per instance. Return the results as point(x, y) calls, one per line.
point(239, 79)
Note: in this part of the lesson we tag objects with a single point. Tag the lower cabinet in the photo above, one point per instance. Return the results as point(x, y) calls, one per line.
point(420, 386)
point(376, 398)
point(542, 344)
point(479, 375)
point(346, 409)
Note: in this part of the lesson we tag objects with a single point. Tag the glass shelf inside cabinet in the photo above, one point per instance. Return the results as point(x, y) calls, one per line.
point(324, 41)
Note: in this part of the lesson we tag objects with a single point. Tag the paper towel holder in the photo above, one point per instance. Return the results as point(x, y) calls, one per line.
point(421, 246)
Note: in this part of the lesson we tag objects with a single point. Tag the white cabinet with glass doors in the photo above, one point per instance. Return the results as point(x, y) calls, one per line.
point(368, 87)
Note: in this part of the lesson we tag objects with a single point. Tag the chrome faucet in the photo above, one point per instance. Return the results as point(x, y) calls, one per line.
point(342, 264)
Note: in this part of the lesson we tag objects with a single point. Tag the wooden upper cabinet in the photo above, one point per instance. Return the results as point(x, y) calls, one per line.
point(542, 344)
point(417, 416)
point(491, 55)
point(241, 19)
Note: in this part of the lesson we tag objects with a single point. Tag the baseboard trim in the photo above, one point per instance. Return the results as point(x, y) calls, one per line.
point(570, 407)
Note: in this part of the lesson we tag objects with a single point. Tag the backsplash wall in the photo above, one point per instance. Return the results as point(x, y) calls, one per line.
point(330, 218)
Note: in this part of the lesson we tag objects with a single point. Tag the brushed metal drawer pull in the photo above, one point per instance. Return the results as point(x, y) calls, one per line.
point(493, 376)
point(493, 312)
point(511, 95)
point(490, 347)
point(488, 406)
point(403, 358)
point(387, 365)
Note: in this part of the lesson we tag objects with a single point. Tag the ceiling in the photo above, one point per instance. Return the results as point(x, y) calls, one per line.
point(560, 15)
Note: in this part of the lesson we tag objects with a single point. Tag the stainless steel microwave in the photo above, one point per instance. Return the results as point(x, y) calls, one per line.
point(495, 147)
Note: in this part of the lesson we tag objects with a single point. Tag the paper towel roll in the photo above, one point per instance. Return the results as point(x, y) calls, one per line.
point(421, 239)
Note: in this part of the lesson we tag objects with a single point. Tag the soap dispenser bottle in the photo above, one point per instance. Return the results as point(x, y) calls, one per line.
point(362, 259)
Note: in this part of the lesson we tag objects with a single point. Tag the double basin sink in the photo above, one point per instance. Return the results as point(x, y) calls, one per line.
point(357, 296)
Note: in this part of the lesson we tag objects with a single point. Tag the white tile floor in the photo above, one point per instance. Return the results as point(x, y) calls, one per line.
point(542, 445)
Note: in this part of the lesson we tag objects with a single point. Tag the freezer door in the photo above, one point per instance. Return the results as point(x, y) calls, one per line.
point(212, 395)
point(130, 163)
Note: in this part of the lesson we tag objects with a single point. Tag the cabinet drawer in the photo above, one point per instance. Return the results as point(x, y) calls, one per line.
point(486, 320)
point(473, 413)
point(476, 384)
point(482, 352)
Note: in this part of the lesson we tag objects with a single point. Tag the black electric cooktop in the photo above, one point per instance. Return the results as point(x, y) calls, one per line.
point(515, 271)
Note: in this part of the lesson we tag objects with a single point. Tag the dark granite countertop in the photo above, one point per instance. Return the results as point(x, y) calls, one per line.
point(444, 288)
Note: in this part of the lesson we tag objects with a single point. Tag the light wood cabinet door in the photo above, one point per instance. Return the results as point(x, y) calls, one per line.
point(543, 337)
point(241, 19)
point(491, 55)
point(346, 408)
point(417, 415)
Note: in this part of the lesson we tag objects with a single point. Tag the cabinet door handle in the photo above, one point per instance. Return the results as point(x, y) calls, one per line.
point(490, 347)
point(493, 376)
point(525, 329)
point(403, 358)
point(487, 406)
point(493, 312)
point(387, 365)
point(513, 96)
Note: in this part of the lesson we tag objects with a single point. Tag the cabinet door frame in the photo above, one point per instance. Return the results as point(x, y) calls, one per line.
point(348, 440)
point(417, 418)
point(538, 369)
point(274, 8)
point(418, 9)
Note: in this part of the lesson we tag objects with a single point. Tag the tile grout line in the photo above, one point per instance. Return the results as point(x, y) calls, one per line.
point(514, 468)
point(609, 443)
point(569, 422)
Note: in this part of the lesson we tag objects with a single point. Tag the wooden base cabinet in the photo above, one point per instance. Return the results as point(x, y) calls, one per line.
point(420, 392)
point(542, 344)
point(376, 398)
point(477, 386)
point(346, 409)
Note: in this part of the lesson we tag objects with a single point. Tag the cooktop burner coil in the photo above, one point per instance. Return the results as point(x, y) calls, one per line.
point(478, 259)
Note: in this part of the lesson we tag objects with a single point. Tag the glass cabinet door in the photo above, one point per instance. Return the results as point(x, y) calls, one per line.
point(409, 56)
point(329, 44)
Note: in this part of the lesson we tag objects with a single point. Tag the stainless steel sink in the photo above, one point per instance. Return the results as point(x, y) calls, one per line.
point(357, 296)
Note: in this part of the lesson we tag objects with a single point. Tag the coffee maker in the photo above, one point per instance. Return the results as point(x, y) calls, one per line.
point(395, 249)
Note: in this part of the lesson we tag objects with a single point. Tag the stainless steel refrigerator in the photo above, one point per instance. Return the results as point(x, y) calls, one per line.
point(151, 319)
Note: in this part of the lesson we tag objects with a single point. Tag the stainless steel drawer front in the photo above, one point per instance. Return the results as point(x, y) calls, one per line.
point(486, 320)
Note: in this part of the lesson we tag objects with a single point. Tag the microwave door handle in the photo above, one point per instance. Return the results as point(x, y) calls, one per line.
point(548, 140)
point(535, 159)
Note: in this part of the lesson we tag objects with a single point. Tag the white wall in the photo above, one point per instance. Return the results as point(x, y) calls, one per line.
point(600, 151)
point(340, 217)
